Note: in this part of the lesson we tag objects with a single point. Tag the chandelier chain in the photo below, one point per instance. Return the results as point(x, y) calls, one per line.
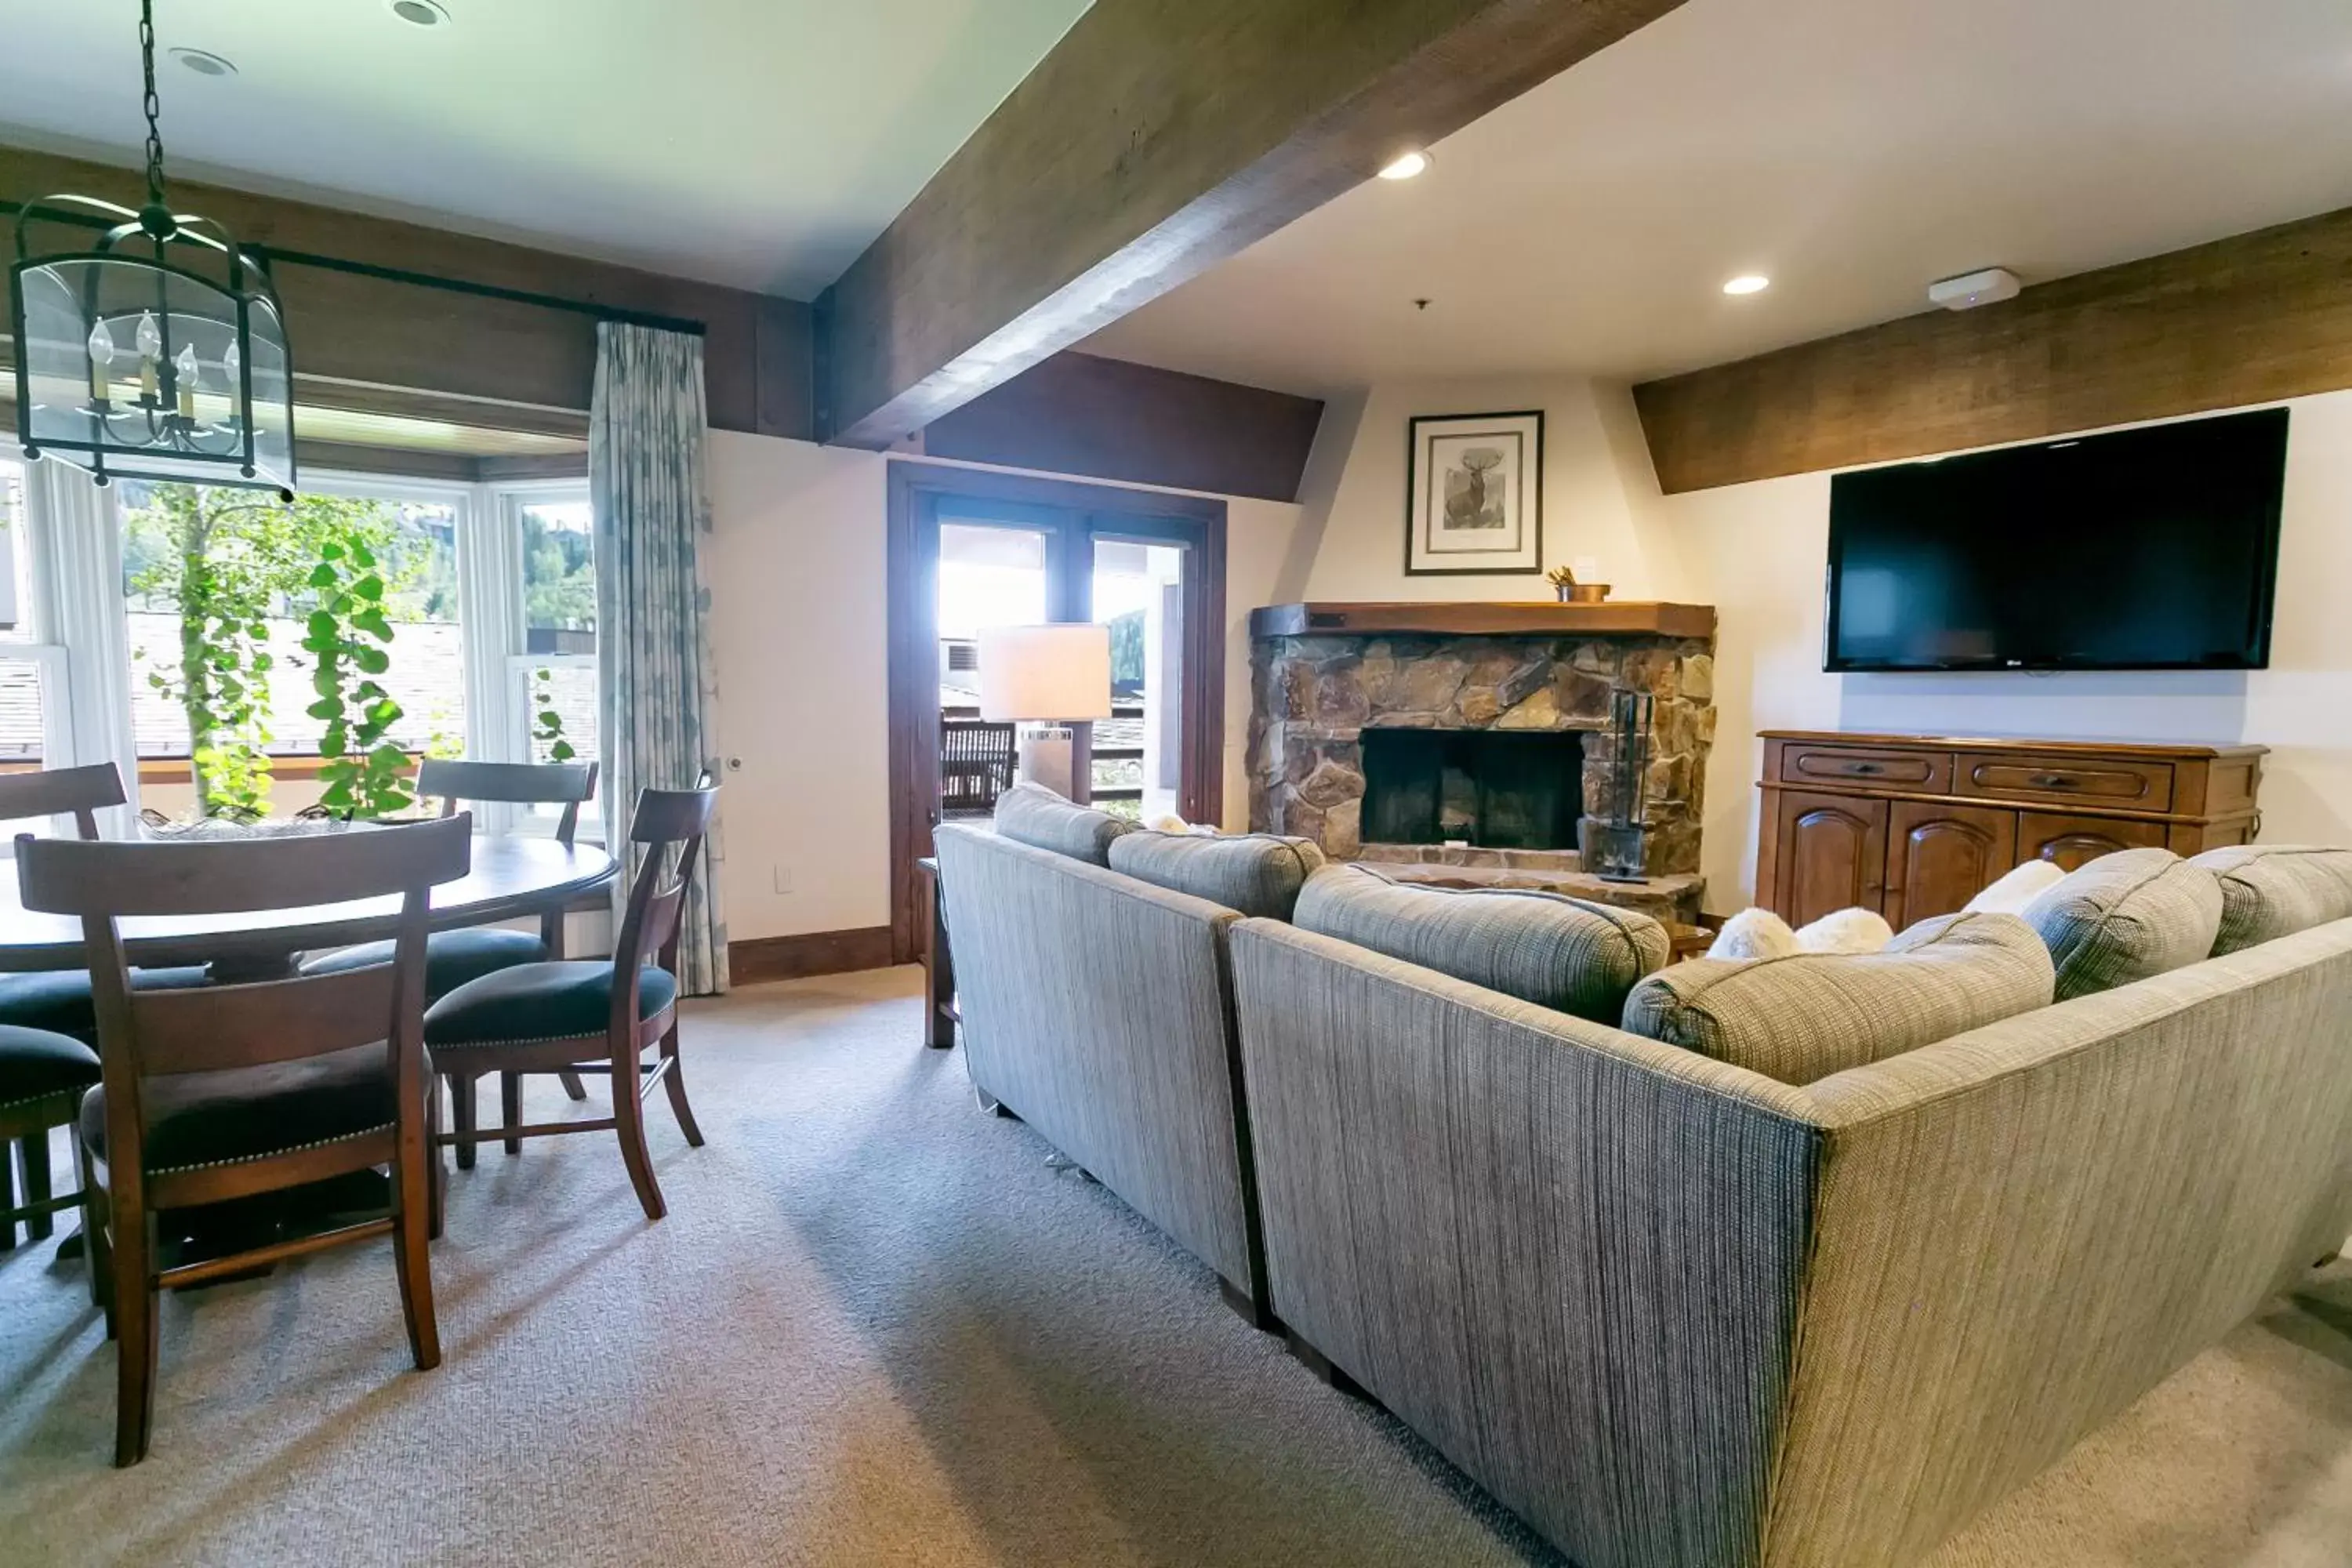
point(154, 104)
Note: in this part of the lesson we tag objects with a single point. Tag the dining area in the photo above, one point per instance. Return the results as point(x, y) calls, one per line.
point(226, 1047)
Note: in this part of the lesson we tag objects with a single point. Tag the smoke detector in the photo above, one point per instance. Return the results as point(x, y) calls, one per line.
point(1969, 289)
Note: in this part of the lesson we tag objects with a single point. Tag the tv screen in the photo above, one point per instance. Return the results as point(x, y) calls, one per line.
point(2151, 549)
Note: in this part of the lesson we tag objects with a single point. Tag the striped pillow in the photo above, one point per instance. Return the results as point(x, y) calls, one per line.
point(1546, 948)
point(2125, 917)
point(1037, 816)
point(1808, 1014)
point(1256, 873)
point(2276, 889)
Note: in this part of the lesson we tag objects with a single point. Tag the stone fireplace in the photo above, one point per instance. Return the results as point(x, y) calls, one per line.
point(1475, 734)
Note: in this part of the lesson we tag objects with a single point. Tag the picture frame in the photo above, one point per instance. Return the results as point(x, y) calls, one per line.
point(1473, 495)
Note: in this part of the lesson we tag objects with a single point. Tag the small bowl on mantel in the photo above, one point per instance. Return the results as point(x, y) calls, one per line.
point(1583, 593)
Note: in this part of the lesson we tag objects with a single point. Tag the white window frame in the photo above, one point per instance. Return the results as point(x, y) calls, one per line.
point(80, 620)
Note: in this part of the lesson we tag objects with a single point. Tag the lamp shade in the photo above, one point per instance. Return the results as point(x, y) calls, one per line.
point(1059, 672)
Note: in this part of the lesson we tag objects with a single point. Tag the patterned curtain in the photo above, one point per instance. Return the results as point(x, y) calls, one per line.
point(656, 687)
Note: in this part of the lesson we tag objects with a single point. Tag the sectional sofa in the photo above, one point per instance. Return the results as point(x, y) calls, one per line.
point(1824, 1259)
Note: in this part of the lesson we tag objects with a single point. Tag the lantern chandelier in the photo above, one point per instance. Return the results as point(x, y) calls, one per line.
point(132, 361)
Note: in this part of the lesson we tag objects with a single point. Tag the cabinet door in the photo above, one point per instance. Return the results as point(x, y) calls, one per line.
point(2072, 841)
point(1940, 857)
point(1830, 854)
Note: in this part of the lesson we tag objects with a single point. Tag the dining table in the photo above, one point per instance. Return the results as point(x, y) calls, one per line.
point(513, 875)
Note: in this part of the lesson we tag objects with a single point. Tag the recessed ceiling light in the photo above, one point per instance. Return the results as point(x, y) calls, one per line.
point(1405, 166)
point(203, 63)
point(420, 13)
point(1747, 283)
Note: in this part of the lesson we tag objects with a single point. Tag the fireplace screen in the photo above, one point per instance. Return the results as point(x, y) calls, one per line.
point(1495, 789)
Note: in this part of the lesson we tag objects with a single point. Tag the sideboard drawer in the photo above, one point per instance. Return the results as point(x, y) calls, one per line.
point(1928, 773)
point(2099, 781)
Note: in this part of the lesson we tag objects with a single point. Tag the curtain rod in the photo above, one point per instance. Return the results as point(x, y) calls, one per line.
point(267, 255)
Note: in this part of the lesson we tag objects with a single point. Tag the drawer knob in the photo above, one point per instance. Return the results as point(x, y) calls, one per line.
point(2051, 781)
point(1864, 769)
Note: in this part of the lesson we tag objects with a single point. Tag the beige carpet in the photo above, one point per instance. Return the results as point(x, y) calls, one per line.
point(878, 1329)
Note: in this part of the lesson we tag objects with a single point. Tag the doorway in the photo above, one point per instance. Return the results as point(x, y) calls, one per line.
point(972, 549)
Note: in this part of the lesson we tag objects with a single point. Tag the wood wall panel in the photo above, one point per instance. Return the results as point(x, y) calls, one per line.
point(1156, 139)
point(1107, 419)
point(2249, 320)
point(403, 334)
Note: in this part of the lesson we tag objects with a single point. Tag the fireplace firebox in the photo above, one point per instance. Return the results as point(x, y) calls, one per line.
point(1490, 788)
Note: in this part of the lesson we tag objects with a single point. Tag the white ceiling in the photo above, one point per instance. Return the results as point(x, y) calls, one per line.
point(1852, 150)
point(758, 143)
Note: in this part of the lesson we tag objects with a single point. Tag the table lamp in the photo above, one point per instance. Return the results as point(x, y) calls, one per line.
point(1046, 677)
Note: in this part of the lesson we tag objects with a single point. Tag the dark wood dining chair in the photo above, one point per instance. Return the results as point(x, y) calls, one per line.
point(49, 1017)
point(976, 759)
point(227, 1091)
point(454, 957)
point(595, 1016)
point(58, 1000)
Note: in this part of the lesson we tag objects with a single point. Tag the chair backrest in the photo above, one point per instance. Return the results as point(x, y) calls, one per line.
point(78, 793)
point(667, 820)
point(154, 1034)
point(567, 785)
point(975, 762)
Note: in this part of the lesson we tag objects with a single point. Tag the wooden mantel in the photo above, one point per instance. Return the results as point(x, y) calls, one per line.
point(1629, 617)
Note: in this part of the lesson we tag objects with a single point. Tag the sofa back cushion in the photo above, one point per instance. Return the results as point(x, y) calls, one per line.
point(1548, 949)
point(2125, 917)
point(1809, 1014)
point(2271, 891)
point(1256, 873)
point(1033, 814)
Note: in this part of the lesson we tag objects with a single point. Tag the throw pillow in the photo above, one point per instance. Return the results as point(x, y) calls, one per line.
point(2019, 886)
point(1037, 816)
point(2125, 917)
point(1256, 873)
point(2276, 889)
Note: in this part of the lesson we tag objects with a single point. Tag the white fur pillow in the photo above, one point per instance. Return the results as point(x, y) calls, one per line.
point(1760, 933)
point(2020, 888)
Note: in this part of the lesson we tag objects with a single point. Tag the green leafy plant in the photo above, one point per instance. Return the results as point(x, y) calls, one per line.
point(364, 773)
point(546, 723)
point(226, 561)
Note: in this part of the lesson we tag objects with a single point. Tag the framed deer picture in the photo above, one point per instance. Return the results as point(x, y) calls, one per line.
point(1474, 484)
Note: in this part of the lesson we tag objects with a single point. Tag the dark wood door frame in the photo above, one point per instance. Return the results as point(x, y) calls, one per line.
point(1097, 512)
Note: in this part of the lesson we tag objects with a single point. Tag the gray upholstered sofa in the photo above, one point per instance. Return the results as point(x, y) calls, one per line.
point(1676, 1313)
point(1097, 1006)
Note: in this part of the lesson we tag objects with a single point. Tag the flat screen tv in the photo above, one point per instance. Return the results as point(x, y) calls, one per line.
point(2149, 549)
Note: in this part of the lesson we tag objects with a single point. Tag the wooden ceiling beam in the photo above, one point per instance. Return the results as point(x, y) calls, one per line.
point(1156, 139)
point(2254, 319)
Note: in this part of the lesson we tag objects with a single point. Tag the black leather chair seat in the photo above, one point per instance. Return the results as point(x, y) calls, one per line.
point(250, 1113)
point(451, 957)
point(37, 1063)
point(539, 1001)
point(58, 1000)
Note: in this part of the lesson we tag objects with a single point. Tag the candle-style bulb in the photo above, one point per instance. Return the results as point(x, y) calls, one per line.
point(184, 368)
point(149, 338)
point(230, 364)
point(101, 354)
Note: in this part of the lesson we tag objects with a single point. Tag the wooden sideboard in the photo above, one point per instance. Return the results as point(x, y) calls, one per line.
point(1915, 826)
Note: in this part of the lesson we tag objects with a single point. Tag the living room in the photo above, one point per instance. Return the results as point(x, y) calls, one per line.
point(727, 443)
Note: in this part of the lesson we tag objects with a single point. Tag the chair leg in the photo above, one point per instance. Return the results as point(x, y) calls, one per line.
point(675, 1081)
point(412, 1225)
point(33, 1155)
point(510, 1107)
point(629, 1122)
point(135, 1345)
point(461, 1116)
point(571, 1084)
point(96, 1253)
point(436, 1170)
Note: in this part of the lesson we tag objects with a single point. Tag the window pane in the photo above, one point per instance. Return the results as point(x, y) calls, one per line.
point(1139, 592)
point(219, 589)
point(987, 577)
point(559, 578)
point(15, 545)
point(21, 729)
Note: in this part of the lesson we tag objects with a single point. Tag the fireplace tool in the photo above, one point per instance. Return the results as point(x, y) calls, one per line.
point(1616, 848)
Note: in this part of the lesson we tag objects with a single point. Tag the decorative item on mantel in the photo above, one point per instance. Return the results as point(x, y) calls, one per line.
point(1574, 582)
point(140, 366)
point(1616, 848)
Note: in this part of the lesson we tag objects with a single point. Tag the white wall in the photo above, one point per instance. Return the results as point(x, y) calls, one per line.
point(1756, 552)
point(797, 614)
point(799, 618)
